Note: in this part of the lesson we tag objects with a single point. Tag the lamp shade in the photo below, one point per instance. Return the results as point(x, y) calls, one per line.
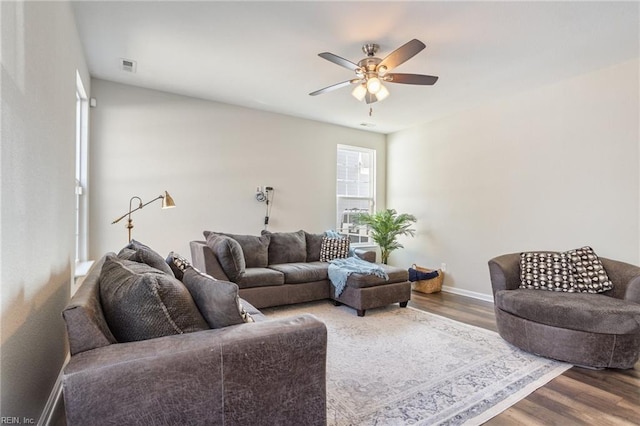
point(373, 85)
point(382, 93)
point(167, 201)
point(359, 92)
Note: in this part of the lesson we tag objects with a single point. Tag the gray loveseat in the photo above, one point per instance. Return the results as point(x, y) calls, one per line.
point(285, 268)
point(594, 330)
point(262, 373)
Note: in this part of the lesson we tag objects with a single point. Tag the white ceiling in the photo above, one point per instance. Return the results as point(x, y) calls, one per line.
point(263, 55)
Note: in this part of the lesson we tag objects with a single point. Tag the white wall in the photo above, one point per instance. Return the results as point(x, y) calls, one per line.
point(553, 168)
point(40, 54)
point(210, 157)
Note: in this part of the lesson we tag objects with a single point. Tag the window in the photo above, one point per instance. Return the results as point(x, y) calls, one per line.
point(82, 114)
point(355, 190)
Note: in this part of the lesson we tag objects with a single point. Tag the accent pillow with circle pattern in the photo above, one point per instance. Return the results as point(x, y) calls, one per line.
point(590, 276)
point(546, 271)
point(334, 248)
point(573, 271)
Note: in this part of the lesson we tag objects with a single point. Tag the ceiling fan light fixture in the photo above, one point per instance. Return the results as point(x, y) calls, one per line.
point(371, 72)
point(382, 93)
point(373, 85)
point(359, 92)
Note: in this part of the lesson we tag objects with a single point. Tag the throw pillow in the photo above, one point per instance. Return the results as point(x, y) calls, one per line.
point(177, 264)
point(546, 271)
point(287, 247)
point(334, 248)
point(254, 248)
point(314, 242)
point(140, 302)
point(141, 253)
point(590, 276)
point(220, 306)
point(229, 254)
point(217, 300)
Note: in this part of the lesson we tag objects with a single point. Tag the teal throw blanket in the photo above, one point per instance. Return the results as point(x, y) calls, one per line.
point(340, 269)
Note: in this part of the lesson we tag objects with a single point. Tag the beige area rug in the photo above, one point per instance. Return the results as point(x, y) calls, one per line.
point(403, 366)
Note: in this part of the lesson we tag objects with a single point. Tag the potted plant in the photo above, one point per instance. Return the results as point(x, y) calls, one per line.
point(385, 227)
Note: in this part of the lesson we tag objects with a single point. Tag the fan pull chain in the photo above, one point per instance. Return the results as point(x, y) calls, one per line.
point(370, 111)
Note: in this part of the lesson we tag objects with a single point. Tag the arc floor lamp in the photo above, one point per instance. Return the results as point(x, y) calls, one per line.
point(167, 203)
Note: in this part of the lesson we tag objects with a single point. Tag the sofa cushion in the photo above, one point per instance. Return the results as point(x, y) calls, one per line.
point(140, 302)
point(590, 276)
point(217, 300)
point(595, 313)
point(229, 254)
point(302, 272)
point(334, 248)
point(314, 242)
point(255, 248)
point(395, 274)
point(287, 247)
point(546, 271)
point(141, 253)
point(260, 277)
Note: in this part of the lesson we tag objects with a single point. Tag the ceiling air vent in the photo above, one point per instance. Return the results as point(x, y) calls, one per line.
point(127, 65)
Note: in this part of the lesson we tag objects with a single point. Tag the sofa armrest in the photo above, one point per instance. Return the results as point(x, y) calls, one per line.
point(204, 259)
point(366, 254)
point(269, 372)
point(505, 272)
point(625, 278)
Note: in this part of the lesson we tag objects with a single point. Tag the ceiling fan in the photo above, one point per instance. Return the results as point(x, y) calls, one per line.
point(371, 72)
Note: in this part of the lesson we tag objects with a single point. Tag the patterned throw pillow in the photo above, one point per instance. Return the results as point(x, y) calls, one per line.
point(334, 248)
point(217, 300)
point(590, 276)
point(177, 264)
point(546, 271)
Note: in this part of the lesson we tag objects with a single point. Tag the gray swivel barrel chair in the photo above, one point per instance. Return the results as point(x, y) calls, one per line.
point(592, 330)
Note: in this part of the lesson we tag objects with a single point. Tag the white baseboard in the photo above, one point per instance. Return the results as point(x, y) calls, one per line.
point(55, 399)
point(472, 294)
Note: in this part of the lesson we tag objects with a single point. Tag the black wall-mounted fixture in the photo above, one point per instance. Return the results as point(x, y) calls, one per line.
point(266, 197)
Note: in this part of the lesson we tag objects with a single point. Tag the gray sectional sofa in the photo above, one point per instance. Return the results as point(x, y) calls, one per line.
point(155, 341)
point(127, 369)
point(284, 268)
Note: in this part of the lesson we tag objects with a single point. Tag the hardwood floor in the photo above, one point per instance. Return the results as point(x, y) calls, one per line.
point(580, 396)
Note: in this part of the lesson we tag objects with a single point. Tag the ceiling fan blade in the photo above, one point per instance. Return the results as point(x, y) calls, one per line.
point(402, 54)
point(332, 87)
point(338, 60)
point(370, 98)
point(426, 80)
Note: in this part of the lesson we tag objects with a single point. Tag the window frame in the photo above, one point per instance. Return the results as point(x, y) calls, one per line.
point(81, 177)
point(359, 235)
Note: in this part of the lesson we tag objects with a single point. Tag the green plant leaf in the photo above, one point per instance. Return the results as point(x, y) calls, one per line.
point(386, 226)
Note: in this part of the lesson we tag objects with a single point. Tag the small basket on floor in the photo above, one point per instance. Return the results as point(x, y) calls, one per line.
point(432, 285)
